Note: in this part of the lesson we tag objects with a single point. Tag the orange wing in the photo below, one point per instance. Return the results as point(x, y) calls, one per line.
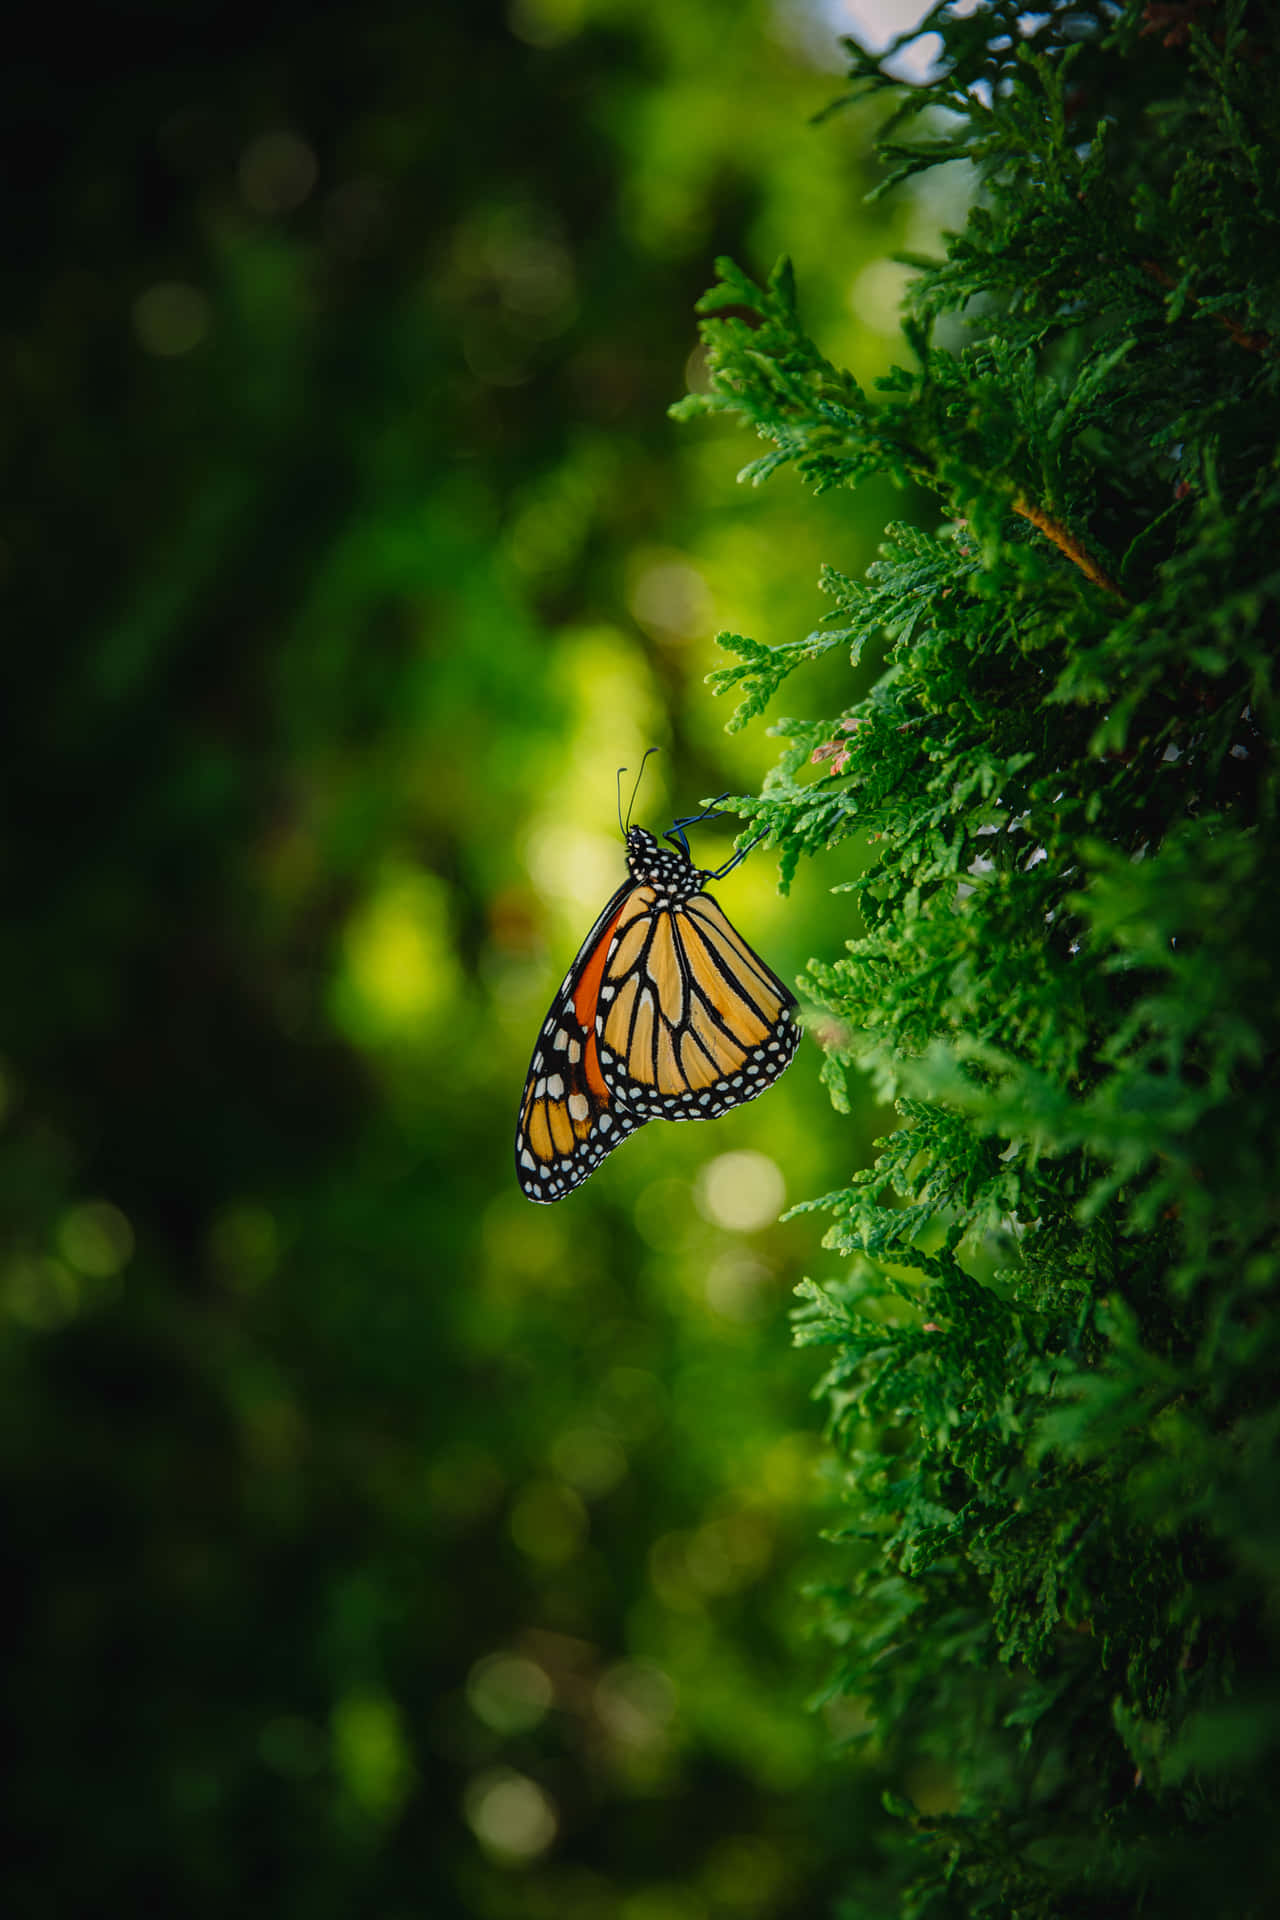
point(690, 1021)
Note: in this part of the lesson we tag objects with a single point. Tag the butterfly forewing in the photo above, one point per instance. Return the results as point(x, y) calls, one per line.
point(569, 1120)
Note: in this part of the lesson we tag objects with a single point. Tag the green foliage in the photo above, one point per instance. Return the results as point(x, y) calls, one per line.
point(376, 1543)
point(1054, 1352)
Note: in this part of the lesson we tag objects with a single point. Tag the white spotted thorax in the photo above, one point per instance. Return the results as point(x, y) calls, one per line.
point(670, 874)
point(666, 1013)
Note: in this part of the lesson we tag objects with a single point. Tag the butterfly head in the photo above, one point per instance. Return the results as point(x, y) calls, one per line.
point(670, 872)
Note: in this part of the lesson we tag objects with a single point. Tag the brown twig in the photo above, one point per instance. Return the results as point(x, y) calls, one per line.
point(1253, 342)
point(1067, 543)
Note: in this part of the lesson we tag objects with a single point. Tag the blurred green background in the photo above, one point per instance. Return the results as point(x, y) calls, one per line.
point(388, 1545)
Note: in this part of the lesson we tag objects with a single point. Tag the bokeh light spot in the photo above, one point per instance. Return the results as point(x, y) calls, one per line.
point(737, 1287)
point(371, 1753)
point(671, 599)
point(170, 318)
point(697, 371)
point(744, 1873)
point(741, 1191)
point(729, 1552)
point(590, 1460)
point(510, 1815)
point(670, 1575)
point(509, 1692)
point(535, 276)
point(41, 1294)
point(520, 1261)
point(789, 1470)
point(399, 965)
point(636, 1702)
point(544, 23)
point(548, 1522)
point(96, 1238)
point(664, 1901)
point(571, 864)
point(877, 294)
point(277, 172)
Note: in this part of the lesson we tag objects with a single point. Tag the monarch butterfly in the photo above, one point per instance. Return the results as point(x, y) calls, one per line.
point(666, 1014)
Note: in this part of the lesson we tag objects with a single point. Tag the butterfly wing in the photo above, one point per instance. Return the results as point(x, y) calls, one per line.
point(569, 1116)
point(690, 1021)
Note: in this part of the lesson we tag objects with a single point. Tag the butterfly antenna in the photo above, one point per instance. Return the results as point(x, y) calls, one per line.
point(635, 790)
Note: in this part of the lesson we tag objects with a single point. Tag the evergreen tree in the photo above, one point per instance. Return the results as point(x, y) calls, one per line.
point(1054, 1354)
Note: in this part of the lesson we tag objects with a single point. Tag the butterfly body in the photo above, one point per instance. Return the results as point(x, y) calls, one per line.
point(665, 1014)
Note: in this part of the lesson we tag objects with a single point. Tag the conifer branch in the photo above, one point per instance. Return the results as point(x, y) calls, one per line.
point(1062, 969)
point(1067, 543)
point(1252, 342)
